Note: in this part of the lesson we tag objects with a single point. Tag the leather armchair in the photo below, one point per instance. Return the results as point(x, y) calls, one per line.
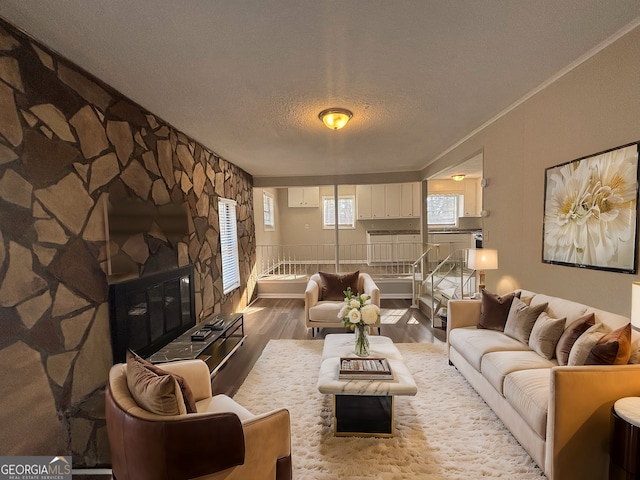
point(222, 441)
point(324, 313)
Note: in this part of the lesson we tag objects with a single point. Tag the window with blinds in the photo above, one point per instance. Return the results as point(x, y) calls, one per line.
point(229, 244)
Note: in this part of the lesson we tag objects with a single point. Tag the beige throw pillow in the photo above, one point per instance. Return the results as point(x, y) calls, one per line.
point(521, 319)
point(545, 335)
point(159, 394)
point(187, 393)
point(585, 342)
point(570, 335)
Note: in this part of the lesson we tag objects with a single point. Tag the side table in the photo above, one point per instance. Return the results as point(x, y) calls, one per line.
point(624, 463)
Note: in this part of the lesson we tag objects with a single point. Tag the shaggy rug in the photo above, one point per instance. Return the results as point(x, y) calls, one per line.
point(445, 432)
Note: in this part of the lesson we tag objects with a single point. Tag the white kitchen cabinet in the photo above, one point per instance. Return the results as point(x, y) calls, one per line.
point(378, 201)
point(410, 200)
point(380, 248)
point(392, 200)
point(393, 248)
point(363, 196)
point(304, 197)
point(408, 247)
point(472, 198)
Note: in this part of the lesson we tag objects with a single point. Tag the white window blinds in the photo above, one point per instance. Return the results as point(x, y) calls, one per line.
point(229, 244)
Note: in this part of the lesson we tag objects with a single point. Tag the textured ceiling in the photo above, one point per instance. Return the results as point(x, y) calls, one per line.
point(248, 78)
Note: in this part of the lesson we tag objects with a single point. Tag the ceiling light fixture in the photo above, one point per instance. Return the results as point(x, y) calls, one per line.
point(458, 178)
point(335, 118)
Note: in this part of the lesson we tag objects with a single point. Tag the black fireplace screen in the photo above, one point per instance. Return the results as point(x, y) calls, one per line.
point(150, 311)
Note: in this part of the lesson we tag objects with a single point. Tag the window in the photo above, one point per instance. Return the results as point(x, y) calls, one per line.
point(269, 215)
point(229, 245)
point(346, 212)
point(442, 209)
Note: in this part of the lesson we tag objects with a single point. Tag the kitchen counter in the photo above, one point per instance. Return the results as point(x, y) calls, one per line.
point(453, 230)
point(393, 232)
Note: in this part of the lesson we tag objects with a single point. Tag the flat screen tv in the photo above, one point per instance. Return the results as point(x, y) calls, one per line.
point(147, 313)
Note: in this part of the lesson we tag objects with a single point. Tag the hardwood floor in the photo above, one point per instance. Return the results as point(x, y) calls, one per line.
point(268, 319)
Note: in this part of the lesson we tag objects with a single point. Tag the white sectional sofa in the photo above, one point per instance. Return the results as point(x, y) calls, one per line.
point(560, 414)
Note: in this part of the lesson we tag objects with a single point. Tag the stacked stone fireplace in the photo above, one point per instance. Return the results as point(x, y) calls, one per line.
point(71, 147)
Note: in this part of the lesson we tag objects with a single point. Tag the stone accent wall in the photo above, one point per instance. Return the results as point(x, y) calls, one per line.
point(70, 147)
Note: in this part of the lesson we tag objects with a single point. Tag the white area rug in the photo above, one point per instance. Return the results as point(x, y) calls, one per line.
point(445, 432)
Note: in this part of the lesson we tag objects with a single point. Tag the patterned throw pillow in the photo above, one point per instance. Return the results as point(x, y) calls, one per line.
point(495, 310)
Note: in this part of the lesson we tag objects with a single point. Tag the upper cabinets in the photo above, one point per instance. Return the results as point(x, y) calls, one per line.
point(304, 196)
point(394, 200)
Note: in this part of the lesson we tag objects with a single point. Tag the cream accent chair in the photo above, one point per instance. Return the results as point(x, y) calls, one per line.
point(222, 441)
point(324, 314)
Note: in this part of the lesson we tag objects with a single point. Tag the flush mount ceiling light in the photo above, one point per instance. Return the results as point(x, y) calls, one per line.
point(458, 178)
point(335, 118)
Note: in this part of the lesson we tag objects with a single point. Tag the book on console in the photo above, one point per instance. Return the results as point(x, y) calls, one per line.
point(365, 369)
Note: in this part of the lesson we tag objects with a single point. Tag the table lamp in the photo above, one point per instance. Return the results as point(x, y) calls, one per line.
point(481, 259)
point(635, 305)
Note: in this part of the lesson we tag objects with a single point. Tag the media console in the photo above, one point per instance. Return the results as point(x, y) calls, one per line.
point(215, 349)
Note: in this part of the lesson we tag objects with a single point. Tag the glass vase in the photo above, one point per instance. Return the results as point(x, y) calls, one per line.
point(362, 340)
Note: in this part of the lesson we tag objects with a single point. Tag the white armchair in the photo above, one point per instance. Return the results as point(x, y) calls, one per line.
point(324, 313)
point(223, 440)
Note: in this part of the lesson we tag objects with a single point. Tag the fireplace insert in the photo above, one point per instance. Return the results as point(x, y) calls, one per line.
point(147, 313)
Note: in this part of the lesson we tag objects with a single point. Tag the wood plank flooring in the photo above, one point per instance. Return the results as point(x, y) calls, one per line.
point(268, 319)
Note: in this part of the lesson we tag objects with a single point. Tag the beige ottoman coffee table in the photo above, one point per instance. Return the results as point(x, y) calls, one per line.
point(363, 407)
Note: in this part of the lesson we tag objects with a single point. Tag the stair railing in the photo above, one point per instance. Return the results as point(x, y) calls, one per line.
point(451, 278)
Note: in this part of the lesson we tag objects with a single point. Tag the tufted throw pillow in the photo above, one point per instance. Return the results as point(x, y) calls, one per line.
point(612, 349)
point(521, 319)
point(570, 335)
point(585, 342)
point(333, 285)
point(159, 394)
point(187, 394)
point(495, 310)
point(545, 335)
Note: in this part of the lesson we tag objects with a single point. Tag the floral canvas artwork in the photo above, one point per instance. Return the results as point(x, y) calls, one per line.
point(590, 211)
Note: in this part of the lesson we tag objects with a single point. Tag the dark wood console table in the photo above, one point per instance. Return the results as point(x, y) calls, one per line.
point(215, 350)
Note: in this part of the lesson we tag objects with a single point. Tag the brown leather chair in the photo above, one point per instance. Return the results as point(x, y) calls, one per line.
point(222, 441)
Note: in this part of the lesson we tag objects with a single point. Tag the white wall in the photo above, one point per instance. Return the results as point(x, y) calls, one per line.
point(594, 107)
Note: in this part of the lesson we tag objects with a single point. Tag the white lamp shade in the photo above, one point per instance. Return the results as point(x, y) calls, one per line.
point(635, 305)
point(485, 259)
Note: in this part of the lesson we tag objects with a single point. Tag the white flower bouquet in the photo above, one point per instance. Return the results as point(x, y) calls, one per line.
point(358, 313)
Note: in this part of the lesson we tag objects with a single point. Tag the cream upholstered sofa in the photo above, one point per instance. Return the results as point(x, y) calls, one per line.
point(223, 440)
point(322, 313)
point(559, 414)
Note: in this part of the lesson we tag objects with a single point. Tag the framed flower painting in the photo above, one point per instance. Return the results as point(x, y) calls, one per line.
point(591, 211)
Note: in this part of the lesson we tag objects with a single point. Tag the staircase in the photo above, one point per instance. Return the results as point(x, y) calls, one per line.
point(451, 278)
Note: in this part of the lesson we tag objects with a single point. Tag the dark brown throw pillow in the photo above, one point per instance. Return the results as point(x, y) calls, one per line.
point(187, 394)
point(570, 335)
point(334, 285)
point(612, 349)
point(495, 310)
